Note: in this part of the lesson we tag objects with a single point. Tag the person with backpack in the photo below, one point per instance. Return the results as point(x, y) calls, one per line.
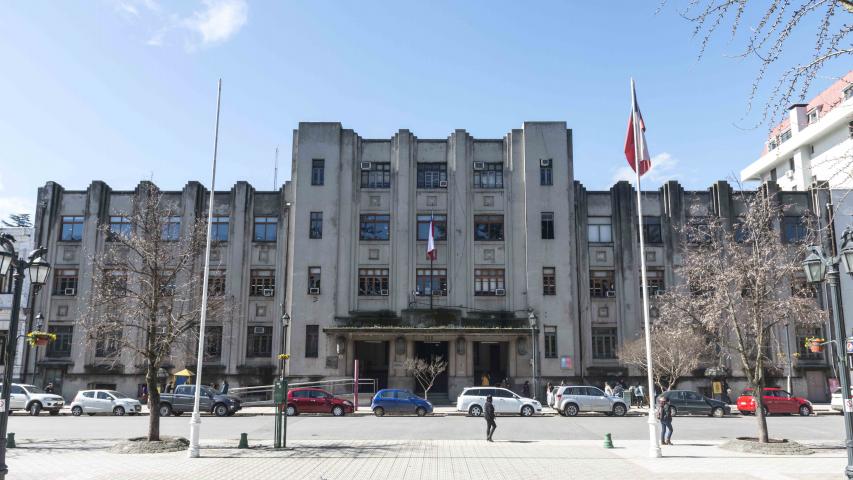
point(664, 414)
point(489, 413)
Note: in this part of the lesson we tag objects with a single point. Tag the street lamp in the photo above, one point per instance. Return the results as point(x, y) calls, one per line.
point(38, 326)
point(818, 267)
point(285, 323)
point(531, 319)
point(38, 269)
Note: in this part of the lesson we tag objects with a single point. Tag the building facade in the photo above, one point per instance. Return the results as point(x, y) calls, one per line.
point(24, 245)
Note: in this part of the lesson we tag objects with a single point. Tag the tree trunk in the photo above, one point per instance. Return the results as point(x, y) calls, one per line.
point(153, 403)
point(758, 396)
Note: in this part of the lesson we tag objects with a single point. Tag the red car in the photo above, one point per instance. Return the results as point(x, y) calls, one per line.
point(316, 400)
point(776, 401)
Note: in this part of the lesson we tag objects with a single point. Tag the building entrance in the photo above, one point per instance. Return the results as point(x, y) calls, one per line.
point(372, 359)
point(428, 351)
point(491, 362)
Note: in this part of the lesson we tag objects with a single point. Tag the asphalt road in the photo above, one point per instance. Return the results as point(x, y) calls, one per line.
point(823, 428)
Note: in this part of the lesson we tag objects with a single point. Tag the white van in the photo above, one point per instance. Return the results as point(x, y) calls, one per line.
point(473, 401)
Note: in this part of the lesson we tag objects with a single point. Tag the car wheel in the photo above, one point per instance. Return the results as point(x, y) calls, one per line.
point(118, 411)
point(77, 411)
point(35, 408)
point(619, 410)
point(379, 411)
point(338, 411)
point(475, 410)
point(527, 411)
point(805, 411)
point(421, 411)
point(290, 411)
point(54, 413)
point(571, 410)
point(717, 412)
point(220, 410)
point(165, 410)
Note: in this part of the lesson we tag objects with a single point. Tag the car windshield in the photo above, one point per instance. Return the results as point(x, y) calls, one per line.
point(119, 394)
point(33, 389)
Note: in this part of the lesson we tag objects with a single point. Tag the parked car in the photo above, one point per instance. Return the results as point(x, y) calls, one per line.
point(399, 401)
point(573, 399)
point(316, 400)
point(33, 399)
point(473, 400)
point(776, 401)
point(685, 402)
point(104, 401)
point(182, 399)
point(837, 403)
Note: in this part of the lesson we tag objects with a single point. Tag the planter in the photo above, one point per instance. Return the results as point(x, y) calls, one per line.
point(815, 347)
point(40, 342)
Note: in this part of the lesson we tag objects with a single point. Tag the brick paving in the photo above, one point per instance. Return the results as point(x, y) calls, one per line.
point(418, 460)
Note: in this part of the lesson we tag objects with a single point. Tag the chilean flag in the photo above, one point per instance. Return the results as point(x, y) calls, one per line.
point(432, 253)
point(636, 118)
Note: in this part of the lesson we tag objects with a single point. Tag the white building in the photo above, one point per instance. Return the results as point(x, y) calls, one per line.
point(23, 244)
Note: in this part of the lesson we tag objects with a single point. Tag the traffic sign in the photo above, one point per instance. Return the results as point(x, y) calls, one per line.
point(848, 405)
point(850, 345)
point(2, 405)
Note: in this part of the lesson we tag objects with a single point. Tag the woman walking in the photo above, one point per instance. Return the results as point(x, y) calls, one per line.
point(489, 413)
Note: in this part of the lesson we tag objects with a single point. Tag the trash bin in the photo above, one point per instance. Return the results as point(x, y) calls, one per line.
point(627, 396)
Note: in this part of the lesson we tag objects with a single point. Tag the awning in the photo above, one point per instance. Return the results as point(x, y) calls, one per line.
point(184, 373)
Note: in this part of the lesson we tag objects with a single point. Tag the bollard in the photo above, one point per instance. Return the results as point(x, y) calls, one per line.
point(10, 440)
point(608, 442)
point(244, 441)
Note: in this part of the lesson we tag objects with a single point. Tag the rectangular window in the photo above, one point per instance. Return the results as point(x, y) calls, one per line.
point(547, 225)
point(107, 343)
point(71, 229)
point(65, 282)
point(315, 229)
point(262, 283)
point(654, 278)
point(312, 341)
point(171, 229)
point(793, 230)
point(601, 284)
point(213, 341)
point(219, 229)
point(6, 285)
point(491, 176)
point(652, 232)
point(550, 341)
point(115, 283)
point(259, 342)
point(216, 283)
point(489, 227)
point(314, 276)
point(785, 136)
point(847, 93)
point(375, 227)
point(431, 284)
point(549, 281)
point(488, 281)
point(167, 283)
point(599, 230)
point(439, 224)
point(430, 175)
point(546, 175)
point(604, 343)
point(698, 231)
point(120, 228)
point(378, 176)
point(265, 229)
point(372, 282)
point(803, 350)
point(61, 347)
point(318, 171)
point(812, 116)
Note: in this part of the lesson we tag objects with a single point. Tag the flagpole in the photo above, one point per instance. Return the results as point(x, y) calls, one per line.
point(195, 421)
point(654, 447)
point(432, 255)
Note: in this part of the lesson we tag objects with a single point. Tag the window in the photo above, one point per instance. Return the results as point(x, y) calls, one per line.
point(259, 342)
point(550, 341)
point(431, 283)
point(314, 275)
point(265, 229)
point(791, 165)
point(739, 231)
point(372, 282)
point(487, 281)
point(785, 136)
point(216, 283)
point(546, 174)
point(262, 283)
point(318, 171)
point(119, 228)
point(773, 174)
point(491, 176)
point(115, 283)
point(315, 229)
point(219, 229)
point(654, 279)
point(171, 229)
point(772, 144)
point(652, 232)
point(601, 283)
point(61, 347)
point(213, 341)
point(72, 229)
point(547, 225)
point(803, 289)
point(65, 282)
point(603, 343)
point(549, 281)
point(804, 352)
point(489, 227)
point(439, 224)
point(6, 285)
point(813, 115)
point(312, 341)
point(430, 175)
point(599, 230)
point(698, 231)
point(375, 227)
point(167, 283)
point(378, 176)
point(107, 343)
point(793, 230)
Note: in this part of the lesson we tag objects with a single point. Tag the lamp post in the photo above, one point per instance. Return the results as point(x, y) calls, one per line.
point(38, 325)
point(285, 323)
point(790, 384)
point(280, 389)
point(819, 267)
point(38, 269)
point(531, 318)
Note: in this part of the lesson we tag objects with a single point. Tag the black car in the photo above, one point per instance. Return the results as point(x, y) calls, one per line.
point(685, 402)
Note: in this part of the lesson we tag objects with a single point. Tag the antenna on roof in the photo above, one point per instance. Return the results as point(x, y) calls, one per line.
point(275, 173)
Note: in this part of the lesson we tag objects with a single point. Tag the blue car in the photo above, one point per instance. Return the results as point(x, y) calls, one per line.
point(399, 402)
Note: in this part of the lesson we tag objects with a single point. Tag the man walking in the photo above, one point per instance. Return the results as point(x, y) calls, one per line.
point(664, 414)
point(490, 419)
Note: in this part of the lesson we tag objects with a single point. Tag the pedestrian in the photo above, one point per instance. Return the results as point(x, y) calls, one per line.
point(608, 390)
point(224, 387)
point(664, 414)
point(490, 419)
point(169, 387)
point(549, 393)
point(48, 388)
point(484, 381)
point(617, 392)
point(525, 389)
point(215, 387)
point(641, 395)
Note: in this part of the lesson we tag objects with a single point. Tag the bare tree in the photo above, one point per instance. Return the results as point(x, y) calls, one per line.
point(18, 220)
point(145, 302)
point(741, 283)
point(677, 350)
point(425, 372)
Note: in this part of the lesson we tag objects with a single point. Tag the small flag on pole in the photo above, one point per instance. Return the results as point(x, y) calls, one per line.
point(432, 253)
point(636, 121)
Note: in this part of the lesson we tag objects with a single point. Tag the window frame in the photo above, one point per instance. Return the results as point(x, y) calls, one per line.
point(604, 344)
point(423, 280)
point(318, 172)
point(312, 341)
point(440, 220)
point(596, 224)
point(171, 231)
point(431, 174)
point(74, 224)
point(64, 339)
point(213, 337)
point(265, 222)
point(492, 173)
point(549, 281)
point(119, 227)
point(63, 279)
point(599, 285)
point(373, 280)
point(259, 282)
point(550, 337)
point(259, 345)
point(219, 228)
point(368, 178)
point(486, 278)
point(315, 279)
point(493, 228)
point(315, 225)
point(546, 175)
point(652, 232)
point(546, 225)
point(374, 220)
point(216, 284)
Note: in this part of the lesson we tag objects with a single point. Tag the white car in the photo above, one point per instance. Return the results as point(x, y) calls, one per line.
point(33, 399)
point(573, 399)
point(104, 401)
point(473, 401)
point(837, 403)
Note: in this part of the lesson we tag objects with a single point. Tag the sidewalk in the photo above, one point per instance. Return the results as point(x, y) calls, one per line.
point(428, 460)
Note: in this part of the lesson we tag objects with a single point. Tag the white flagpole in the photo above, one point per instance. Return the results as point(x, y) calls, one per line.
point(654, 447)
point(195, 421)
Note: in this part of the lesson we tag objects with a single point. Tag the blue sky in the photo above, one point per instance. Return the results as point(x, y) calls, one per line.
point(124, 90)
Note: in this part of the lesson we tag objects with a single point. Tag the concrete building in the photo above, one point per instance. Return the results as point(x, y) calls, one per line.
point(24, 245)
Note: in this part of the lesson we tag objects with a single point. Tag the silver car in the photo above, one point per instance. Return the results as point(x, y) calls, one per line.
point(572, 399)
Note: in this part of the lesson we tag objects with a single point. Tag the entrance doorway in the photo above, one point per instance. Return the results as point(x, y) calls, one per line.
point(372, 359)
point(491, 360)
point(428, 351)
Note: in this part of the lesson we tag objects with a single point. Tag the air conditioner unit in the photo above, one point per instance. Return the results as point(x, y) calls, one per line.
point(384, 293)
point(544, 162)
point(479, 165)
point(610, 293)
point(70, 291)
point(365, 165)
point(442, 184)
point(260, 330)
point(789, 174)
point(268, 292)
point(313, 291)
point(500, 292)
